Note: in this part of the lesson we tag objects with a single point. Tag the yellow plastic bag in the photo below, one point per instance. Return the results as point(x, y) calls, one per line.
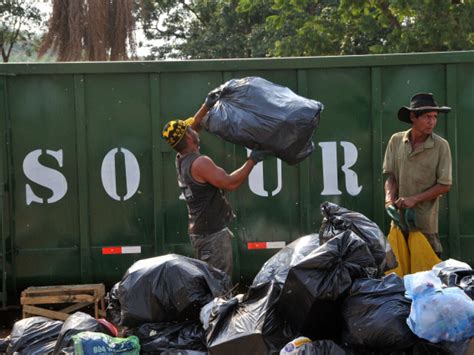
point(400, 249)
point(422, 255)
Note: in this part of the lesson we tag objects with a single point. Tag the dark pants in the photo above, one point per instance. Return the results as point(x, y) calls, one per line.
point(215, 249)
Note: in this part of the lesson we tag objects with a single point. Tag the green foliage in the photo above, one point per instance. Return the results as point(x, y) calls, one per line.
point(206, 29)
point(261, 28)
point(18, 19)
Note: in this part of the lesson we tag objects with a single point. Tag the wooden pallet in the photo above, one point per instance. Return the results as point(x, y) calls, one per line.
point(75, 297)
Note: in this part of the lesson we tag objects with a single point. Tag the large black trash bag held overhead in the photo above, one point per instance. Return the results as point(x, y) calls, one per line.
point(375, 314)
point(168, 288)
point(337, 219)
point(33, 335)
point(314, 287)
point(276, 268)
point(257, 113)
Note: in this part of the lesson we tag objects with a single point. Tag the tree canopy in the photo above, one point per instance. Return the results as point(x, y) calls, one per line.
point(199, 29)
point(17, 21)
point(263, 28)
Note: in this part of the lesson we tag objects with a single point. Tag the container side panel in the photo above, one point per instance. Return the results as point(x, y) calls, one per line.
point(340, 168)
point(43, 152)
point(120, 170)
point(465, 173)
point(47, 267)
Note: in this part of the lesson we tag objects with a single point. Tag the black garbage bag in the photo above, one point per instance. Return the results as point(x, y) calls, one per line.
point(77, 323)
point(249, 324)
point(4, 342)
point(113, 305)
point(320, 347)
point(32, 334)
point(375, 315)
point(424, 347)
point(46, 347)
point(337, 219)
point(310, 299)
point(156, 338)
point(256, 113)
point(168, 288)
point(276, 268)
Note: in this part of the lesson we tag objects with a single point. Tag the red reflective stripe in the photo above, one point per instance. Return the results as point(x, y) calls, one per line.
point(111, 250)
point(256, 245)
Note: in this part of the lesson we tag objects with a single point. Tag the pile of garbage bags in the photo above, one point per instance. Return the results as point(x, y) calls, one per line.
point(324, 293)
point(80, 332)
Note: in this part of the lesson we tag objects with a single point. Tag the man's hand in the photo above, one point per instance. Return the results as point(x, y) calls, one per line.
point(406, 202)
point(259, 155)
point(212, 98)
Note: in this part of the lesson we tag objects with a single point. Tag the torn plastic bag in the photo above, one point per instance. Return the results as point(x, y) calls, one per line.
point(337, 219)
point(464, 279)
point(320, 347)
point(80, 322)
point(257, 113)
point(310, 299)
point(450, 264)
point(276, 268)
point(168, 288)
point(158, 337)
point(375, 314)
point(32, 334)
point(455, 273)
point(86, 343)
point(440, 314)
point(249, 323)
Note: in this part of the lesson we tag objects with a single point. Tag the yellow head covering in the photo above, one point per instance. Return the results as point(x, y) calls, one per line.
point(174, 131)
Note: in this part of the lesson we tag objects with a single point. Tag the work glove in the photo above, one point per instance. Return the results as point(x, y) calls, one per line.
point(189, 121)
point(408, 220)
point(258, 155)
point(212, 97)
point(394, 215)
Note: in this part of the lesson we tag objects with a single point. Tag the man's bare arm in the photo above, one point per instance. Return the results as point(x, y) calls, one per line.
point(205, 170)
point(196, 125)
point(391, 189)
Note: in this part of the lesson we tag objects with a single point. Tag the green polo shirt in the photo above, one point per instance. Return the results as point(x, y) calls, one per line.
point(417, 170)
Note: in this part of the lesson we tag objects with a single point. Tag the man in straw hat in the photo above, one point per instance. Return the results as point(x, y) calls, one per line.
point(203, 183)
point(418, 165)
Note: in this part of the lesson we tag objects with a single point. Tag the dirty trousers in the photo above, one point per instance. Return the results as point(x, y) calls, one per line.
point(215, 249)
